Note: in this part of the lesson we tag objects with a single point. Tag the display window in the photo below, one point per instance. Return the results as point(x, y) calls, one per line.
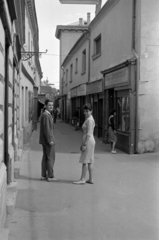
point(123, 114)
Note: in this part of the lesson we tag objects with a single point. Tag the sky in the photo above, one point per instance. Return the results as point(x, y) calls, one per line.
point(51, 13)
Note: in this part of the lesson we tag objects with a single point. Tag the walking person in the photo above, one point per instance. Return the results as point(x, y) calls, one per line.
point(87, 147)
point(112, 138)
point(48, 142)
point(55, 112)
point(76, 118)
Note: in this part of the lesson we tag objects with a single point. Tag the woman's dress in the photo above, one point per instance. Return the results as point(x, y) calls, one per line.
point(111, 135)
point(87, 156)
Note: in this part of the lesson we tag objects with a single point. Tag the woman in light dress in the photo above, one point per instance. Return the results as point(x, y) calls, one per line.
point(87, 147)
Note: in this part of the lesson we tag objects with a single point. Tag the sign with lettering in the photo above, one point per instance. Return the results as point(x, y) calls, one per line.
point(117, 77)
point(81, 90)
point(94, 87)
point(79, 1)
point(73, 92)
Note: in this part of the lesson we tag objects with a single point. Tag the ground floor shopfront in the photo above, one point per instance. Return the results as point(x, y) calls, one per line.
point(119, 93)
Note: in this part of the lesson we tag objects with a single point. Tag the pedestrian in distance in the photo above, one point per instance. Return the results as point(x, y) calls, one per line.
point(55, 112)
point(112, 138)
point(48, 143)
point(87, 147)
point(76, 118)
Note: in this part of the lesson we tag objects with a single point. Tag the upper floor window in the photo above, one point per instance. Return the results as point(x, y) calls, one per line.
point(71, 72)
point(97, 47)
point(29, 41)
point(66, 76)
point(76, 66)
point(84, 61)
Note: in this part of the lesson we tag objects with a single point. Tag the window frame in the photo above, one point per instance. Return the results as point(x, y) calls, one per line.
point(84, 61)
point(97, 54)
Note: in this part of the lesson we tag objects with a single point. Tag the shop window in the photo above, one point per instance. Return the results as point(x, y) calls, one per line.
point(123, 114)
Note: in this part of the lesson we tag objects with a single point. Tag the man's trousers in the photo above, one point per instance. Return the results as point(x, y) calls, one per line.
point(48, 161)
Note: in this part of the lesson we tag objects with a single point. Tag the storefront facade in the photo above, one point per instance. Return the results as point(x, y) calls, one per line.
point(119, 93)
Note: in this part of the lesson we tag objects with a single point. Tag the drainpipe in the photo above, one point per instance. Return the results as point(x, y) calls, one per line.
point(137, 76)
point(6, 155)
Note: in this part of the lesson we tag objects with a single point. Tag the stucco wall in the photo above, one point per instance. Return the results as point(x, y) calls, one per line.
point(149, 77)
point(77, 78)
point(2, 166)
point(115, 27)
point(67, 40)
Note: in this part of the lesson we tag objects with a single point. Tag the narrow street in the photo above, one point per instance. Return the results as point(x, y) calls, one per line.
point(123, 204)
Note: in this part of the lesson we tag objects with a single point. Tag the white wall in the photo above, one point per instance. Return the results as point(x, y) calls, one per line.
point(149, 76)
point(115, 27)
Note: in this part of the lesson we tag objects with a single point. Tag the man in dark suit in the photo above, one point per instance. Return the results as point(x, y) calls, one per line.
point(48, 142)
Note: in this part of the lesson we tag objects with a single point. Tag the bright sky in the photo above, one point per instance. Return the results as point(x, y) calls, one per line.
point(51, 13)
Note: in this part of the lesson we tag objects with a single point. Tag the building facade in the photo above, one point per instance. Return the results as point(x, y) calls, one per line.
point(68, 35)
point(17, 82)
point(122, 72)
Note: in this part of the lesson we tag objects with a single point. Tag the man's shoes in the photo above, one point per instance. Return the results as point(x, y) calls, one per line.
point(53, 179)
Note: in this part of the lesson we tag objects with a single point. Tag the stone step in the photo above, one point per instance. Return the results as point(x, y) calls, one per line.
point(11, 197)
point(4, 234)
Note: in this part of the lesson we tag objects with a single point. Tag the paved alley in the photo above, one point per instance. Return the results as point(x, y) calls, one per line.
point(123, 204)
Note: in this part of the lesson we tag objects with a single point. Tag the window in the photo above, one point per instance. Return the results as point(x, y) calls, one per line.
point(26, 104)
point(71, 73)
point(76, 66)
point(97, 47)
point(123, 114)
point(28, 41)
point(66, 76)
point(84, 61)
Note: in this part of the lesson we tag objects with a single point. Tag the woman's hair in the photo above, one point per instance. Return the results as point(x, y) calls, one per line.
point(87, 107)
point(112, 112)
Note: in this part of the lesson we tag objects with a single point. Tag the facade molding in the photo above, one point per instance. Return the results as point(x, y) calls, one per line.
point(61, 28)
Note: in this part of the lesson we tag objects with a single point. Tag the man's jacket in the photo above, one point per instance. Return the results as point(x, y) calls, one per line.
point(46, 129)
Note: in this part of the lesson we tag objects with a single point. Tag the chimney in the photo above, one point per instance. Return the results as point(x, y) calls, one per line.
point(98, 7)
point(88, 18)
point(81, 21)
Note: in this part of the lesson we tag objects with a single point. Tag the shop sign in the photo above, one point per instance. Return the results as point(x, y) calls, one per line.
point(81, 90)
point(73, 92)
point(117, 77)
point(95, 87)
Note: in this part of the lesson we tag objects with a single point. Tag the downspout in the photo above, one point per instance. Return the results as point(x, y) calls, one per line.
point(89, 59)
point(137, 76)
point(6, 155)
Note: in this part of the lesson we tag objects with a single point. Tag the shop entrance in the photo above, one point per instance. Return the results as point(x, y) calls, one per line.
point(111, 99)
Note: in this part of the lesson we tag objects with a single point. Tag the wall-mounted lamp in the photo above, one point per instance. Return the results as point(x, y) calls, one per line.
point(27, 55)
